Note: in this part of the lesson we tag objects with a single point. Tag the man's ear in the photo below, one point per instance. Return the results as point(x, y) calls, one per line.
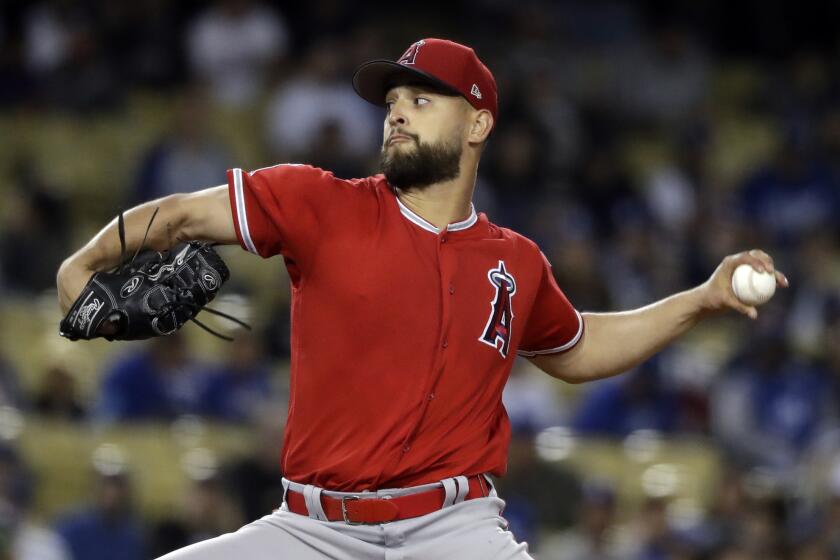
point(482, 124)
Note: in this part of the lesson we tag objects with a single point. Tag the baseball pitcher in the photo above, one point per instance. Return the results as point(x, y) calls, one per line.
point(408, 310)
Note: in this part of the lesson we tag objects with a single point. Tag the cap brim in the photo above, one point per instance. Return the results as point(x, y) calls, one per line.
point(373, 79)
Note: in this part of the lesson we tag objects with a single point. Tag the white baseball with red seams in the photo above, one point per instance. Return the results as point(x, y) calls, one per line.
point(751, 286)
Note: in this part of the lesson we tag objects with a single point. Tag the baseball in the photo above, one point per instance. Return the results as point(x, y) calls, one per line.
point(753, 287)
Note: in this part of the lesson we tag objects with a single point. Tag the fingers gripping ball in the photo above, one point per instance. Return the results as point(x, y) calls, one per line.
point(154, 296)
point(752, 287)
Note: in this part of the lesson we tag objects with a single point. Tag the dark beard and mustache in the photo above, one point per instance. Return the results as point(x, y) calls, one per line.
point(422, 167)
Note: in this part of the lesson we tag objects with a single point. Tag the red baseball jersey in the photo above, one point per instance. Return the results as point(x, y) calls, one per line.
point(403, 335)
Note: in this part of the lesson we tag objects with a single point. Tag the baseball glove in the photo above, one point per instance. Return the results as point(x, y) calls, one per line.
point(153, 295)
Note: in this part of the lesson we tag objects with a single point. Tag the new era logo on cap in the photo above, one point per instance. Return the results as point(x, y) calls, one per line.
point(445, 65)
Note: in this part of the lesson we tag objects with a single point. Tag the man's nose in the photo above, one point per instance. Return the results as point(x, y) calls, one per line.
point(396, 117)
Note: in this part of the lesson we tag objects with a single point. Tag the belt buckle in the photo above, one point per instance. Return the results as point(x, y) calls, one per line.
point(344, 501)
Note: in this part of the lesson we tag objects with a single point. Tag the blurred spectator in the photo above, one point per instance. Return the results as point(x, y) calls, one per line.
point(814, 303)
point(761, 532)
point(239, 389)
point(57, 398)
point(15, 82)
point(665, 79)
point(638, 400)
point(529, 507)
point(20, 538)
point(603, 186)
point(187, 158)
point(315, 116)
point(207, 511)
point(652, 535)
point(801, 88)
point(591, 536)
point(156, 382)
point(672, 190)
point(34, 224)
point(824, 542)
point(328, 18)
point(829, 532)
point(146, 37)
point(10, 391)
point(771, 404)
point(108, 528)
point(558, 116)
point(231, 46)
point(256, 480)
point(66, 53)
point(829, 136)
point(793, 195)
point(48, 35)
point(575, 263)
point(630, 262)
point(516, 169)
point(531, 397)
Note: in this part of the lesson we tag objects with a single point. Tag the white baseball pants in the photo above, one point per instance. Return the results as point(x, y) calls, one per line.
point(466, 530)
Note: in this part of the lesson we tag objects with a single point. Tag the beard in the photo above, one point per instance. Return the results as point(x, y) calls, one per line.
point(427, 164)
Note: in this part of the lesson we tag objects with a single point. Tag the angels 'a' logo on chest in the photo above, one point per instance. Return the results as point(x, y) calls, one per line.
point(497, 332)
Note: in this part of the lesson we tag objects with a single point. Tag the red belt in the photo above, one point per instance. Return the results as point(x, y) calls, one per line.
point(360, 509)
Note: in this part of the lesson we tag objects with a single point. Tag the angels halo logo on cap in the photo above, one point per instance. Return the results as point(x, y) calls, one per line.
point(447, 66)
point(409, 55)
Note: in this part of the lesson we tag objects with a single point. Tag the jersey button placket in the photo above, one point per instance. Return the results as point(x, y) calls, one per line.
point(446, 285)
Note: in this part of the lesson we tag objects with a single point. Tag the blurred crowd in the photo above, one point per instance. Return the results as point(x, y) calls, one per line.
point(637, 144)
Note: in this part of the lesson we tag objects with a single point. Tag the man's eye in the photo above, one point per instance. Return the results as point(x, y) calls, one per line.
point(420, 101)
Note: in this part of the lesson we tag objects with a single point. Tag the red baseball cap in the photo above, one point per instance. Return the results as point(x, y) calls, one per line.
point(446, 65)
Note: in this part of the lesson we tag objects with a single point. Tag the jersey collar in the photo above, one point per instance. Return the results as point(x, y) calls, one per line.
point(417, 220)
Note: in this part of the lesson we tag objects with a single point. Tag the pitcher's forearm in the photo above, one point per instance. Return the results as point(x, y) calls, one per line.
point(103, 251)
point(626, 339)
point(203, 216)
point(615, 342)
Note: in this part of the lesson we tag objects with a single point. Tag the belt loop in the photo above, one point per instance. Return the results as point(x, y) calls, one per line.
point(312, 496)
point(492, 487)
point(450, 488)
point(285, 482)
point(463, 488)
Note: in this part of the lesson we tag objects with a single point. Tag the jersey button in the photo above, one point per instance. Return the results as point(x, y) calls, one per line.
point(445, 343)
point(451, 289)
point(406, 448)
point(443, 240)
point(431, 396)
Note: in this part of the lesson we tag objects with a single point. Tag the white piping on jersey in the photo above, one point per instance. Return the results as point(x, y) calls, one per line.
point(239, 194)
point(572, 342)
point(275, 165)
point(457, 226)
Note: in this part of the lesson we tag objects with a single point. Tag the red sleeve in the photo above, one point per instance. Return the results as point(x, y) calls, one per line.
point(554, 325)
point(276, 210)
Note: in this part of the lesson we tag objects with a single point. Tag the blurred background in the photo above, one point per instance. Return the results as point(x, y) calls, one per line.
point(638, 143)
